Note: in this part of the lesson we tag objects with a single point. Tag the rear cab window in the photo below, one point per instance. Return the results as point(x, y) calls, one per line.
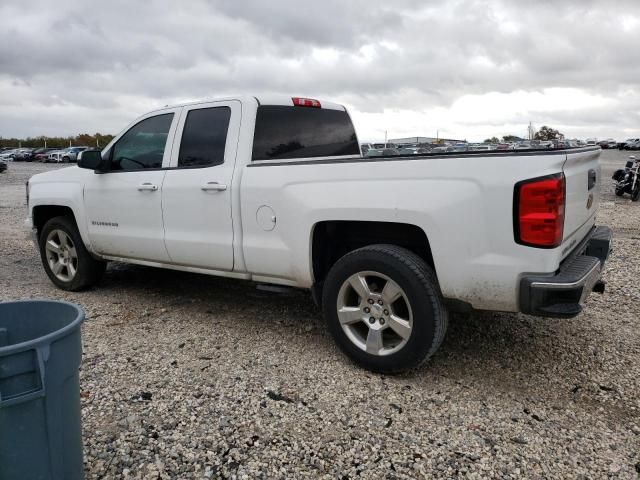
point(286, 132)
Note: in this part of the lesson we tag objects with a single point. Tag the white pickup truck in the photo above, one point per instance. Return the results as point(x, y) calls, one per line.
point(275, 190)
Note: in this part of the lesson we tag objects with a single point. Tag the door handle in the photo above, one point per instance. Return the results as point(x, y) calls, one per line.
point(147, 186)
point(214, 186)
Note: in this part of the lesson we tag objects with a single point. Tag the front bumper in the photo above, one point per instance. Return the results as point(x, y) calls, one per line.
point(562, 294)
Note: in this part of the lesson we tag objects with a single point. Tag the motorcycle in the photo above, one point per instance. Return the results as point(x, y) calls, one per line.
point(628, 179)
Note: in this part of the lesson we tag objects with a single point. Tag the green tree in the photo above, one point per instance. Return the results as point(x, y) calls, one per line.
point(511, 138)
point(547, 133)
point(492, 140)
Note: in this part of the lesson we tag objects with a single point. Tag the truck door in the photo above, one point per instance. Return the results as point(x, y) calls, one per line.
point(196, 195)
point(123, 205)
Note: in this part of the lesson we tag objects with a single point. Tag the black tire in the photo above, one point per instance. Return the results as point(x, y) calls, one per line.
point(88, 271)
point(65, 159)
point(619, 192)
point(419, 284)
point(635, 195)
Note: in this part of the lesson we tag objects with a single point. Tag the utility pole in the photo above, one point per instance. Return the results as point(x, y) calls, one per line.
point(385, 138)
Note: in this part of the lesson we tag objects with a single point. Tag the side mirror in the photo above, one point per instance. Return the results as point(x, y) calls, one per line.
point(91, 160)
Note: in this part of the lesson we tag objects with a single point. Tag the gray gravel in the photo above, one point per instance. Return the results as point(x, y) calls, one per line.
point(189, 376)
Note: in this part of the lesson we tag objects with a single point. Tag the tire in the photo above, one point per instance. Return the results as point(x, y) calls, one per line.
point(65, 159)
point(635, 195)
point(619, 192)
point(63, 233)
point(420, 307)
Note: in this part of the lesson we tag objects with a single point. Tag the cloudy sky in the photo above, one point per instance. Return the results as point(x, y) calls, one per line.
point(467, 69)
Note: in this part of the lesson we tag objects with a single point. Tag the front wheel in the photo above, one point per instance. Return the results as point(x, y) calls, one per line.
point(65, 258)
point(383, 306)
point(65, 159)
point(635, 195)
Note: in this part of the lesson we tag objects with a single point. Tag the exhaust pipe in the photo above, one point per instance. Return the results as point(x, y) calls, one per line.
point(599, 286)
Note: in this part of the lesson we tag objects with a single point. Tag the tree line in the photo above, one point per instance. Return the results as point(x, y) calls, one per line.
point(98, 140)
point(545, 133)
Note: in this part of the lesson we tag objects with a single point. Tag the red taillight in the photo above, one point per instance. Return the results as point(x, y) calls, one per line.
point(306, 102)
point(539, 211)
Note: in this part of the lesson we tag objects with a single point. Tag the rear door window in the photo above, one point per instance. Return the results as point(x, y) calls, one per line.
point(284, 132)
point(204, 137)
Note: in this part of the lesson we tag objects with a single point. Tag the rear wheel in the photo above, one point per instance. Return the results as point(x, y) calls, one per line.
point(65, 159)
point(65, 258)
point(635, 195)
point(384, 309)
point(619, 192)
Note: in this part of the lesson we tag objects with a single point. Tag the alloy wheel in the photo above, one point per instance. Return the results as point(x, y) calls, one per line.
point(62, 256)
point(374, 312)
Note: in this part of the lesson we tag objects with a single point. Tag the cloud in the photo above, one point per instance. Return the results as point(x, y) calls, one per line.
point(471, 68)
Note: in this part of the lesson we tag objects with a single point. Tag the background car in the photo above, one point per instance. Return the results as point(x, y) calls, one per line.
point(54, 156)
point(21, 154)
point(3, 166)
point(608, 143)
point(632, 144)
point(8, 154)
point(442, 149)
point(71, 154)
point(623, 144)
point(39, 154)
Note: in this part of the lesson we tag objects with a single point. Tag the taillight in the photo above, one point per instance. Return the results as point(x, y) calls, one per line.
point(539, 211)
point(306, 102)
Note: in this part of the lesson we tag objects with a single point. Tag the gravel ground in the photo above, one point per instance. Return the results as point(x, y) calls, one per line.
point(189, 376)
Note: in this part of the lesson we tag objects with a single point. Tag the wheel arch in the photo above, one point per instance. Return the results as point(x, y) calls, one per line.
point(330, 240)
point(41, 214)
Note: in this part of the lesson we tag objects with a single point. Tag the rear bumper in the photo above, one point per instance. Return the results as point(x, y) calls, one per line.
point(562, 294)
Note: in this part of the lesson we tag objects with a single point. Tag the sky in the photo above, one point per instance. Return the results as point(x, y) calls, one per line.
point(466, 69)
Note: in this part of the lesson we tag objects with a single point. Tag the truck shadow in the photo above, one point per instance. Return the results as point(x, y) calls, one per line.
point(499, 349)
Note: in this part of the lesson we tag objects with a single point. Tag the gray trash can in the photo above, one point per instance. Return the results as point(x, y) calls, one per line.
point(40, 353)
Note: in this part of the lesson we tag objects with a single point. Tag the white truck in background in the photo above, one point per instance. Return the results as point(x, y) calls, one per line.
point(275, 189)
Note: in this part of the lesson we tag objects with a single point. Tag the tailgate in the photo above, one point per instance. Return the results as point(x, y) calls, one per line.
point(582, 173)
